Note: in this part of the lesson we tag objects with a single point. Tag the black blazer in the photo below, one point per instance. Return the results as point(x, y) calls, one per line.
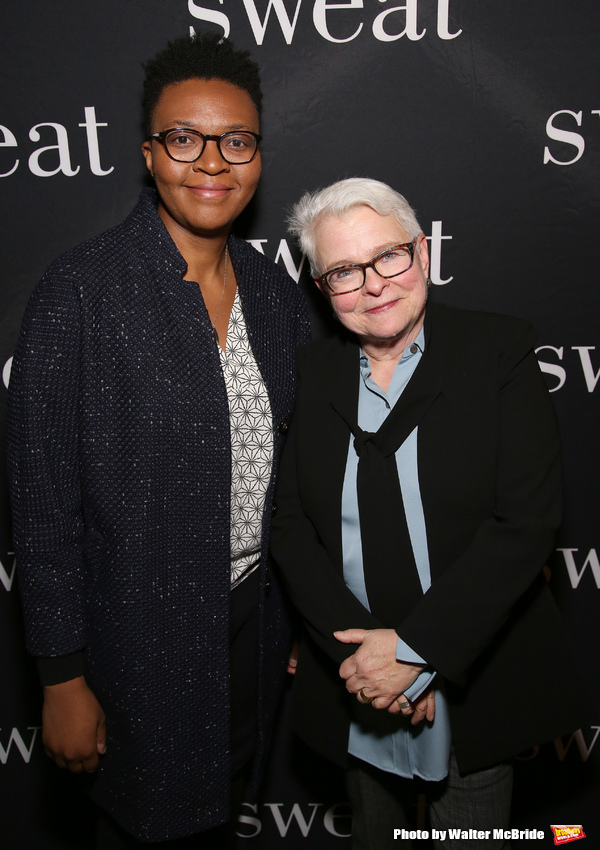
point(489, 472)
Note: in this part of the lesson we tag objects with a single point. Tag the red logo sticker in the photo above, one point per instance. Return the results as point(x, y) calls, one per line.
point(563, 833)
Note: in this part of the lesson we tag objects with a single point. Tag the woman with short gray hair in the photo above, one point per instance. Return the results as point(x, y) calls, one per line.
point(418, 500)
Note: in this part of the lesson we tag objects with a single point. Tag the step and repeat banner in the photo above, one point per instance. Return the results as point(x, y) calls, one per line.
point(486, 115)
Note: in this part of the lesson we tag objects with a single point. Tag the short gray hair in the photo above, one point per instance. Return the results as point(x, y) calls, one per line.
point(336, 200)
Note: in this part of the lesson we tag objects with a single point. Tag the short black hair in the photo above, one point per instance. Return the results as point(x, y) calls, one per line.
point(204, 56)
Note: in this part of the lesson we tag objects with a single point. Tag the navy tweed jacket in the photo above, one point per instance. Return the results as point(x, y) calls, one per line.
point(119, 459)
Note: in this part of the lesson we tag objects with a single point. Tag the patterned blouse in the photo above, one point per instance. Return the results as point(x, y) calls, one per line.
point(251, 445)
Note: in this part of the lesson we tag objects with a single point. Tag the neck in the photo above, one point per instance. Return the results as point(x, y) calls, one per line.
point(203, 252)
point(384, 355)
point(390, 350)
point(205, 262)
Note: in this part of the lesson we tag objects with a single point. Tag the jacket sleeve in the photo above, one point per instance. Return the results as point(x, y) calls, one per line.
point(316, 587)
point(468, 604)
point(43, 469)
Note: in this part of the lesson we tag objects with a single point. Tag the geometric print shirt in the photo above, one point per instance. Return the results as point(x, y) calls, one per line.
point(251, 428)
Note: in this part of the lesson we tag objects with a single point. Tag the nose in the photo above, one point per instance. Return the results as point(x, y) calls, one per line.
point(374, 283)
point(210, 160)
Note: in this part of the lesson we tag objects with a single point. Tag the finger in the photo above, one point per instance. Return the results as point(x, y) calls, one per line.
point(90, 765)
point(405, 705)
point(419, 715)
point(348, 669)
point(363, 697)
point(350, 635)
point(401, 705)
point(430, 706)
point(381, 703)
point(293, 659)
point(74, 765)
point(384, 702)
point(101, 737)
point(60, 761)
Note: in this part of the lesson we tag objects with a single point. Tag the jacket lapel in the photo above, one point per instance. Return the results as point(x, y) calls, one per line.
point(421, 392)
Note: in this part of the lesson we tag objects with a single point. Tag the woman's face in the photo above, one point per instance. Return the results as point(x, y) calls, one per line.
point(383, 310)
point(204, 197)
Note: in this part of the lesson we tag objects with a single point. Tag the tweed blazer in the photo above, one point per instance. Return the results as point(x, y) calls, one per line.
point(489, 472)
point(119, 457)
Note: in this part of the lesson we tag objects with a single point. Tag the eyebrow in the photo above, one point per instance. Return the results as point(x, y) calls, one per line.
point(192, 126)
point(376, 251)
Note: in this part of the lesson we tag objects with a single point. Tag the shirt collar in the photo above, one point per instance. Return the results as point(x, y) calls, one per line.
point(408, 352)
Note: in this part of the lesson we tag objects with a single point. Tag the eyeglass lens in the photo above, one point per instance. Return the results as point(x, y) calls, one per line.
point(388, 264)
point(234, 147)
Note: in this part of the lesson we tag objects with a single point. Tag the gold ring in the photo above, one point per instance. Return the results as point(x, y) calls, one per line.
point(362, 697)
point(405, 704)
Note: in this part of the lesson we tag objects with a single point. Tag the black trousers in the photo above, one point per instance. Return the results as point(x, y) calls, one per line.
point(381, 802)
point(244, 724)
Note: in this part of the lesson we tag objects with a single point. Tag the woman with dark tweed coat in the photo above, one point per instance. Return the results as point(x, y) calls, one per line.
point(151, 390)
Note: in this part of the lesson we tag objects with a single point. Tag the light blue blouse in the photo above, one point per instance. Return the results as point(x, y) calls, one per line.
point(390, 742)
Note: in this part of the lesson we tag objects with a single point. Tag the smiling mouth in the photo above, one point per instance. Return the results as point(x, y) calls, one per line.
point(210, 190)
point(382, 307)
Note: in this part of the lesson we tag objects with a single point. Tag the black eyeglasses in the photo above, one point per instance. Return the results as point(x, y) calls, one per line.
point(389, 263)
point(183, 145)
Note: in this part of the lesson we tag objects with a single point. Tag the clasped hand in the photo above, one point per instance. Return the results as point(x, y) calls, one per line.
point(375, 675)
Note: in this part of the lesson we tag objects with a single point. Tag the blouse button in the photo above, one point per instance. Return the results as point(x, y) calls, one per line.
point(414, 348)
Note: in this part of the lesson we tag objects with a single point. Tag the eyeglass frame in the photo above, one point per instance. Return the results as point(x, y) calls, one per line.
point(370, 265)
point(162, 137)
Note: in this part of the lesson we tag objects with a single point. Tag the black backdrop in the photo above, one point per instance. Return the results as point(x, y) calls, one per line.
point(486, 115)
